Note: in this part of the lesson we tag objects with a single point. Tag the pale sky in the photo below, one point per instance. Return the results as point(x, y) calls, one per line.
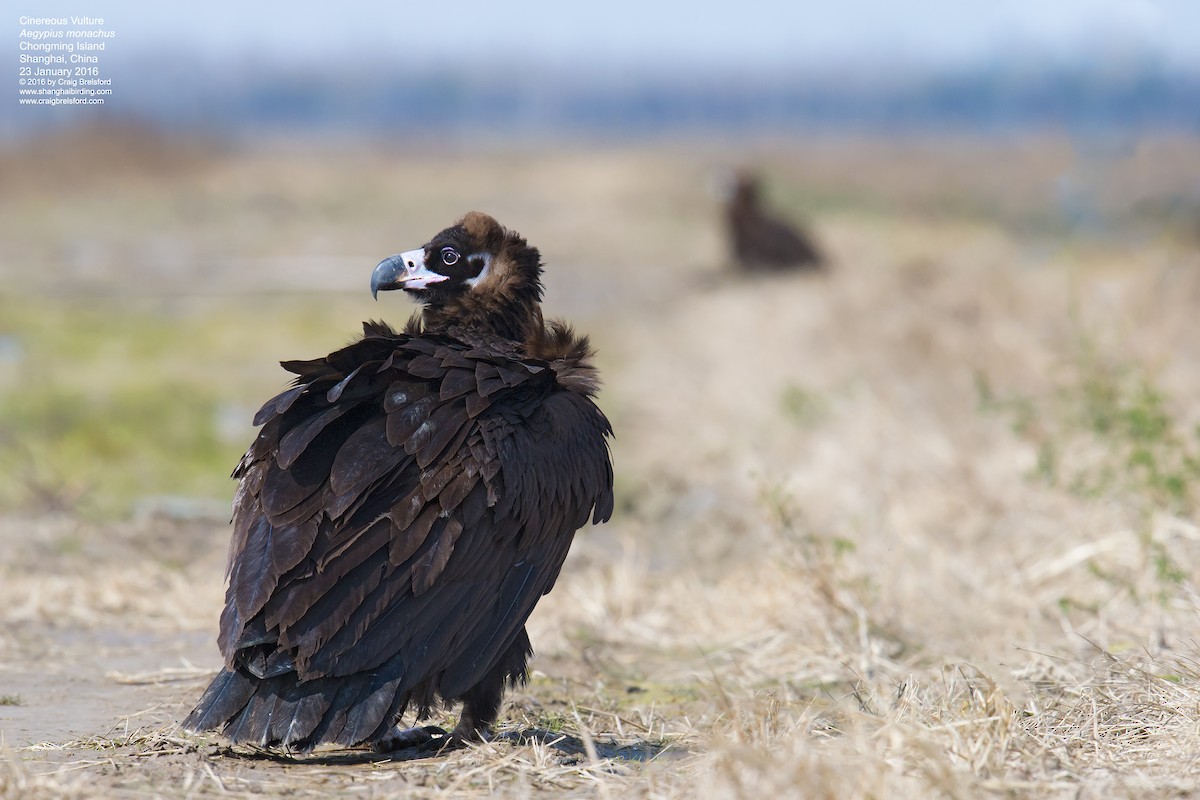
point(748, 33)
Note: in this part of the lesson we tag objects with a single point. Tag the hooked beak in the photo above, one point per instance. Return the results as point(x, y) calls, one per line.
point(404, 271)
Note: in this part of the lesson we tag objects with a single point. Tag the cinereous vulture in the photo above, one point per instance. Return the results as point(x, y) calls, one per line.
point(405, 505)
point(759, 240)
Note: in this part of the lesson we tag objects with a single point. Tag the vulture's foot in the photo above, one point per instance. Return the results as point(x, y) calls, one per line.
point(426, 737)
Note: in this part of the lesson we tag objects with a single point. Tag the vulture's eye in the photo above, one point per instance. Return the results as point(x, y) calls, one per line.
point(449, 256)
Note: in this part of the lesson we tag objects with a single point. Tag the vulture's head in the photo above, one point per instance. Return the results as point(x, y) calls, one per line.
point(745, 191)
point(475, 266)
point(734, 187)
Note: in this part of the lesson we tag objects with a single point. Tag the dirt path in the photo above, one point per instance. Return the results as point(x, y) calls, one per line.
point(79, 684)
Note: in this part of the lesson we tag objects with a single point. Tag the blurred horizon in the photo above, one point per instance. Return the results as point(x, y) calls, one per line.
point(630, 34)
point(536, 70)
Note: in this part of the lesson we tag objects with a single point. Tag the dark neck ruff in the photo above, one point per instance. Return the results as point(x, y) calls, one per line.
point(505, 327)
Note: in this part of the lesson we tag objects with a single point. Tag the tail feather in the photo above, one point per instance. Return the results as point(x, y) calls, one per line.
point(370, 712)
point(283, 711)
point(333, 717)
point(239, 728)
point(306, 714)
point(298, 709)
point(225, 697)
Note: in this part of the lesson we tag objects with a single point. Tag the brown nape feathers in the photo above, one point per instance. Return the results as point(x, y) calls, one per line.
point(760, 241)
point(404, 507)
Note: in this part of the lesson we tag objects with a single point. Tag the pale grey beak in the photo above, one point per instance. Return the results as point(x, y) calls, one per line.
point(404, 271)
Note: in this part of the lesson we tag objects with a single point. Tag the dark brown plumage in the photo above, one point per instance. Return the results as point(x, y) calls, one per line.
point(760, 241)
point(405, 505)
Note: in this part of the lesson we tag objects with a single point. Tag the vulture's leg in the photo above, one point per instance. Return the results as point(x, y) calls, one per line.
point(481, 703)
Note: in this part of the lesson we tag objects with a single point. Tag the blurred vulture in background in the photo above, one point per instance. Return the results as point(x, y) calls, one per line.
point(404, 507)
point(760, 241)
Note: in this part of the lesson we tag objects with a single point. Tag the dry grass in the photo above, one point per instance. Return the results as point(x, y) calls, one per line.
point(925, 527)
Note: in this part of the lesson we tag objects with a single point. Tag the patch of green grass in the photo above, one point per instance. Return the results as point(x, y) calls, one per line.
point(1150, 454)
point(113, 446)
point(10, 700)
point(648, 693)
point(810, 547)
point(552, 721)
point(1110, 433)
point(1119, 411)
point(1068, 604)
point(103, 403)
point(803, 407)
point(1168, 572)
point(1020, 409)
